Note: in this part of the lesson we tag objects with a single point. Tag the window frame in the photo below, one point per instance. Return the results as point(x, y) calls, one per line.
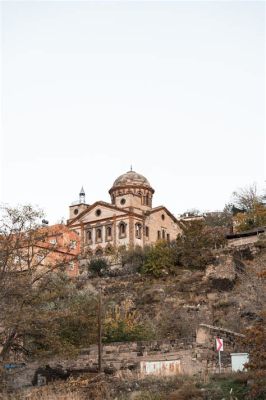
point(98, 239)
point(108, 238)
point(123, 234)
point(138, 230)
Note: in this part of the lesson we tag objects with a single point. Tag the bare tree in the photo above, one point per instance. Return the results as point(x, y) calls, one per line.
point(246, 198)
point(38, 314)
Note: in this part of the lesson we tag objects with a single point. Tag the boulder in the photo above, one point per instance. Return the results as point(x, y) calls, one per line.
point(222, 274)
point(154, 295)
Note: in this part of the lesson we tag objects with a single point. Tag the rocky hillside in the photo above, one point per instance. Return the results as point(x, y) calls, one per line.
point(230, 293)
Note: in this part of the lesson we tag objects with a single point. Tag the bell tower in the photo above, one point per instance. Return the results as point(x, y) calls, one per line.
point(77, 207)
point(82, 196)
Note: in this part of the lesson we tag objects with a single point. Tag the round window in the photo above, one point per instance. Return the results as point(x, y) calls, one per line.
point(163, 216)
point(98, 212)
point(76, 211)
point(122, 201)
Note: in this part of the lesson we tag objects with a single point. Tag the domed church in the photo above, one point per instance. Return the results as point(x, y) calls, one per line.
point(129, 220)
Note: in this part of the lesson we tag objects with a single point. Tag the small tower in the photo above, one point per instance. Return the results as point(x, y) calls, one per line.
point(82, 196)
point(77, 207)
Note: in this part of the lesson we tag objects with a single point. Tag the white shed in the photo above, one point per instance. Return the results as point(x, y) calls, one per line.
point(238, 360)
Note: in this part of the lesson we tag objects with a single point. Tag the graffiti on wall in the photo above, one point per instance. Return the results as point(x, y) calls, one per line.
point(160, 368)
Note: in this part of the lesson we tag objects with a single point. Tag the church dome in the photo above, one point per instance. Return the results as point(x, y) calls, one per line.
point(131, 178)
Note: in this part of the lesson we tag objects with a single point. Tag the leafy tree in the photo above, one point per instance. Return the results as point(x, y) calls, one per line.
point(251, 219)
point(98, 265)
point(252, 211)
point(194, 247)
point(246, 197)
point(38, 302)
point(158, 259)
point(134, 257)
point(255, 343)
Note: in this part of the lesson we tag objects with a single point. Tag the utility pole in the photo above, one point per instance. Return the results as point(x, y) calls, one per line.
point(100, 331)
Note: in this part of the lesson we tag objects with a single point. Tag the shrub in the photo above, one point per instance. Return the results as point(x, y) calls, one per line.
point(255, 343)
point(134, 257)
point(123, 324)
point(187, 392)
point(98, 265)
point(158, 259)
point(194, 247)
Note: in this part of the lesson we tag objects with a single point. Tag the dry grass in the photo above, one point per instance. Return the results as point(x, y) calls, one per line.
point(186, 392)
point(45, 393)
point(84, 387)
point(54, 396)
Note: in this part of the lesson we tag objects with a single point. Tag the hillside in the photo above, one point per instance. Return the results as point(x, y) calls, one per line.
point(229, 294)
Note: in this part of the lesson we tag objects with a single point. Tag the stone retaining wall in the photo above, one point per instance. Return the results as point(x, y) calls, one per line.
point(193, 359)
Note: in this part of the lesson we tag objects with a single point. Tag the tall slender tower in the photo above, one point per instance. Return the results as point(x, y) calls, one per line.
point(82, 199)
point(79, 205)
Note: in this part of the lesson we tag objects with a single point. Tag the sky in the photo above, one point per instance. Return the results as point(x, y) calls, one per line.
point(175, 89)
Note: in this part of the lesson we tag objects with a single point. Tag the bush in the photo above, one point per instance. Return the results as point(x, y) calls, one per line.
point(158, 259)
point(133, 257)
point(255, 343)
point(123, 324)
point(194, 248)
point(120, 332)
point(98, 266)
point(187, 392)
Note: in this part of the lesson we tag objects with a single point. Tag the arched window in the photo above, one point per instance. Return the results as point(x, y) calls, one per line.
point(89, 235)
point(138, 230)
point(122, 230)
point(108, 233)
point(99, 234)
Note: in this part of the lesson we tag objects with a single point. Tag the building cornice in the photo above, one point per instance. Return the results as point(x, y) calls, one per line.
point(104, 204)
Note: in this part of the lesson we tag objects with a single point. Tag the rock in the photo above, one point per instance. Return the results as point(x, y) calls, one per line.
point(154, 295)
point(252, 316)
point(212, 296)
point(222, 274)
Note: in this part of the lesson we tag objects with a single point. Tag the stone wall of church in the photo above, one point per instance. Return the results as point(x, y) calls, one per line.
point(116, 239)
point(76, 210)
point(138, 199)
point(161, 226)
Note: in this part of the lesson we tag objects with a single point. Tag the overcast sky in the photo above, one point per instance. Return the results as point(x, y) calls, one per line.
point(177, 89)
